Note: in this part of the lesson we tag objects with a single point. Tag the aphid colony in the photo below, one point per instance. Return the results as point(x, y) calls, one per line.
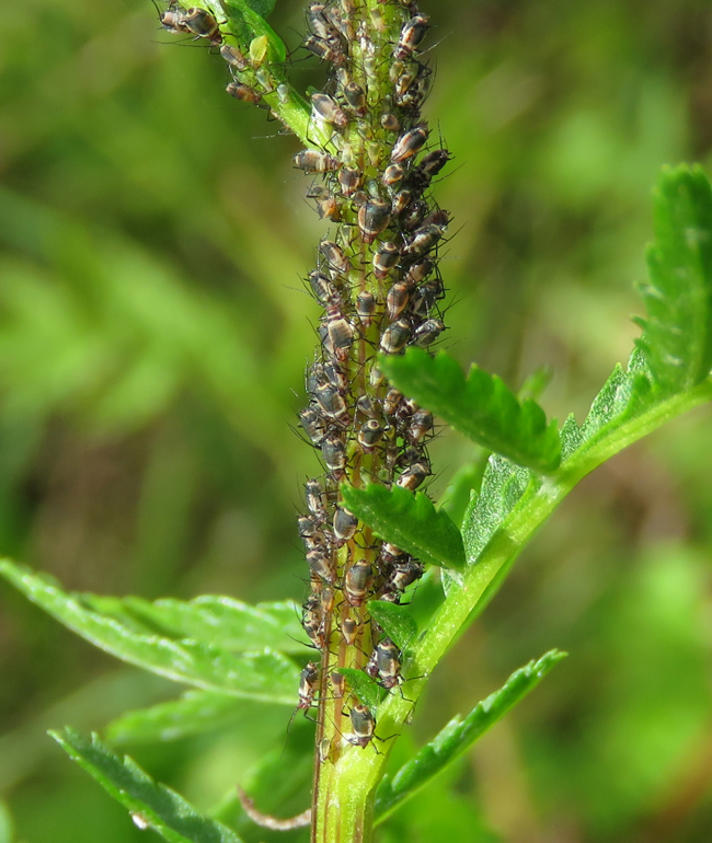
point(377, 282)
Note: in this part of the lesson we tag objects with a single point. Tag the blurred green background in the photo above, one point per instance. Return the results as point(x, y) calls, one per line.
point(153, 336)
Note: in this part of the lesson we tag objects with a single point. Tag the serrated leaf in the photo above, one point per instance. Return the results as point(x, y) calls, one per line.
point(396, 621)
point(193, 713)
point(366, 689)
point(409, 521)
point(481, 406)
point(459, 734)
point(151, 804)
point(215, 619)
point(267, 675)
point(677, 332)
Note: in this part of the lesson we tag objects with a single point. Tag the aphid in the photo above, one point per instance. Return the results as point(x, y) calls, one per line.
point(326, 599)
point(340, 334)
point(312, 424)
point(333, 451)
point(397, 299)
point(371, 666)
point(329, 110)
point(308, 681)
point(411, 35)
point(357, 581)
point(431, 164)
point(439, 217)
point(413, 215)
point(403, 82)
point(420, 425)
point(316, 498)
point(202, 24)
point(370, 433)
point(409, 143)
point(363, 724)
point(349, 628)
point(324, 749)
point(404, 573)
point(334, 256)
point(423, 240)
point(401, 201)
point(325, 50)
point(344, 524)
point(391, 401)
point(355, 96)
point(365, 307)
point(318, 23)
point(244, 93)
point(385, 259)
point(413, 476)
point(327, 206)
point(365, 405)
point(373, 217)
point(388, 664)
point(234, 57)
point(338, 684)
point(349, 180)
point(330, 401)
point(307, 526)
point(319, 562)
point(392, 175)
point(419, 271)
point(322, 287)
point(390, 122)
point(341, 14)
point(395, 337)
point(315, 161)
point(334, 375)
point(312, 621)
point(428, 332)
point(375, 377)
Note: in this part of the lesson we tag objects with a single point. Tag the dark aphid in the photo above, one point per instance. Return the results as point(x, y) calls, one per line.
point(333, 451)
point(334, 256)
point(392, 175)
point(326, 600)
point(324, 291)
point(428, 332)
point(345, 524)
point(338, 684)
point(413, 215)
point(391, 401)
point(327, 206)
point(357, 581)
point(355, 96)
point(420, 425)
point(411, 35)
point(431, 164)
point(359, 199)
point(388, 664)
point(366, 406)
point(325, 50)
point(307, 526)
point(349, 629)
point(401, 201)
point(335, 375)
point(397, 299)
point(371, 666)
point(369, 434)
point(202, 24)
point(423, 240)
point(385, 259)
point(244, 93)
point(410, 143)
point(340, 333)
point(391, 553)
point(319, 24)
point(329, 110)
point(330, 401)
point(315, 161)
point(395, 337)
point(349, 180)
point(413, 476)
point(174, 20)
point(418, 272)
point(308, 681)
point(390, 597)
point(365, 307)
point(404, 573)
point(234, 57)
point(341, 14)
point(319, 561)
point(312, 621)
point(316, 498)
point(373, 217)
point(390, 122)
point(311, 421)
point(375, 377)
point(403, 83)
point(363, 724)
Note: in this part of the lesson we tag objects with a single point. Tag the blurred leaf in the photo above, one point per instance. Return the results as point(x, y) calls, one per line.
point(192, 714)
point(466, 480)
point(459, 734)
point(268, 676)
point(677, 333)
point(366, 689)
point(215, 619)
point(396, 621)
point(481, 406)
point(151, 805)
point(6, 832)
point(409, 521)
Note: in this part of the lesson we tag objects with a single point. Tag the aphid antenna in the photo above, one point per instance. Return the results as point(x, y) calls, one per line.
point(267, 820)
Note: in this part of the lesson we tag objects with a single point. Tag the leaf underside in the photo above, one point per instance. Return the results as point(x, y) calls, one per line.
point(396, 621)
point(151, 805)
point(480, 406)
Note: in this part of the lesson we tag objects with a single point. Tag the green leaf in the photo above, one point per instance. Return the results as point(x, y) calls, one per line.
point(366, 689)
point(396, 621)
point(409, 521)
point(481, 406)
point(215, 619)
point(247, 23)
point(466, 480)
point(459, 734)
point(193, 713)
point(267, 675)
point(151, 805)
point(677, 333)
